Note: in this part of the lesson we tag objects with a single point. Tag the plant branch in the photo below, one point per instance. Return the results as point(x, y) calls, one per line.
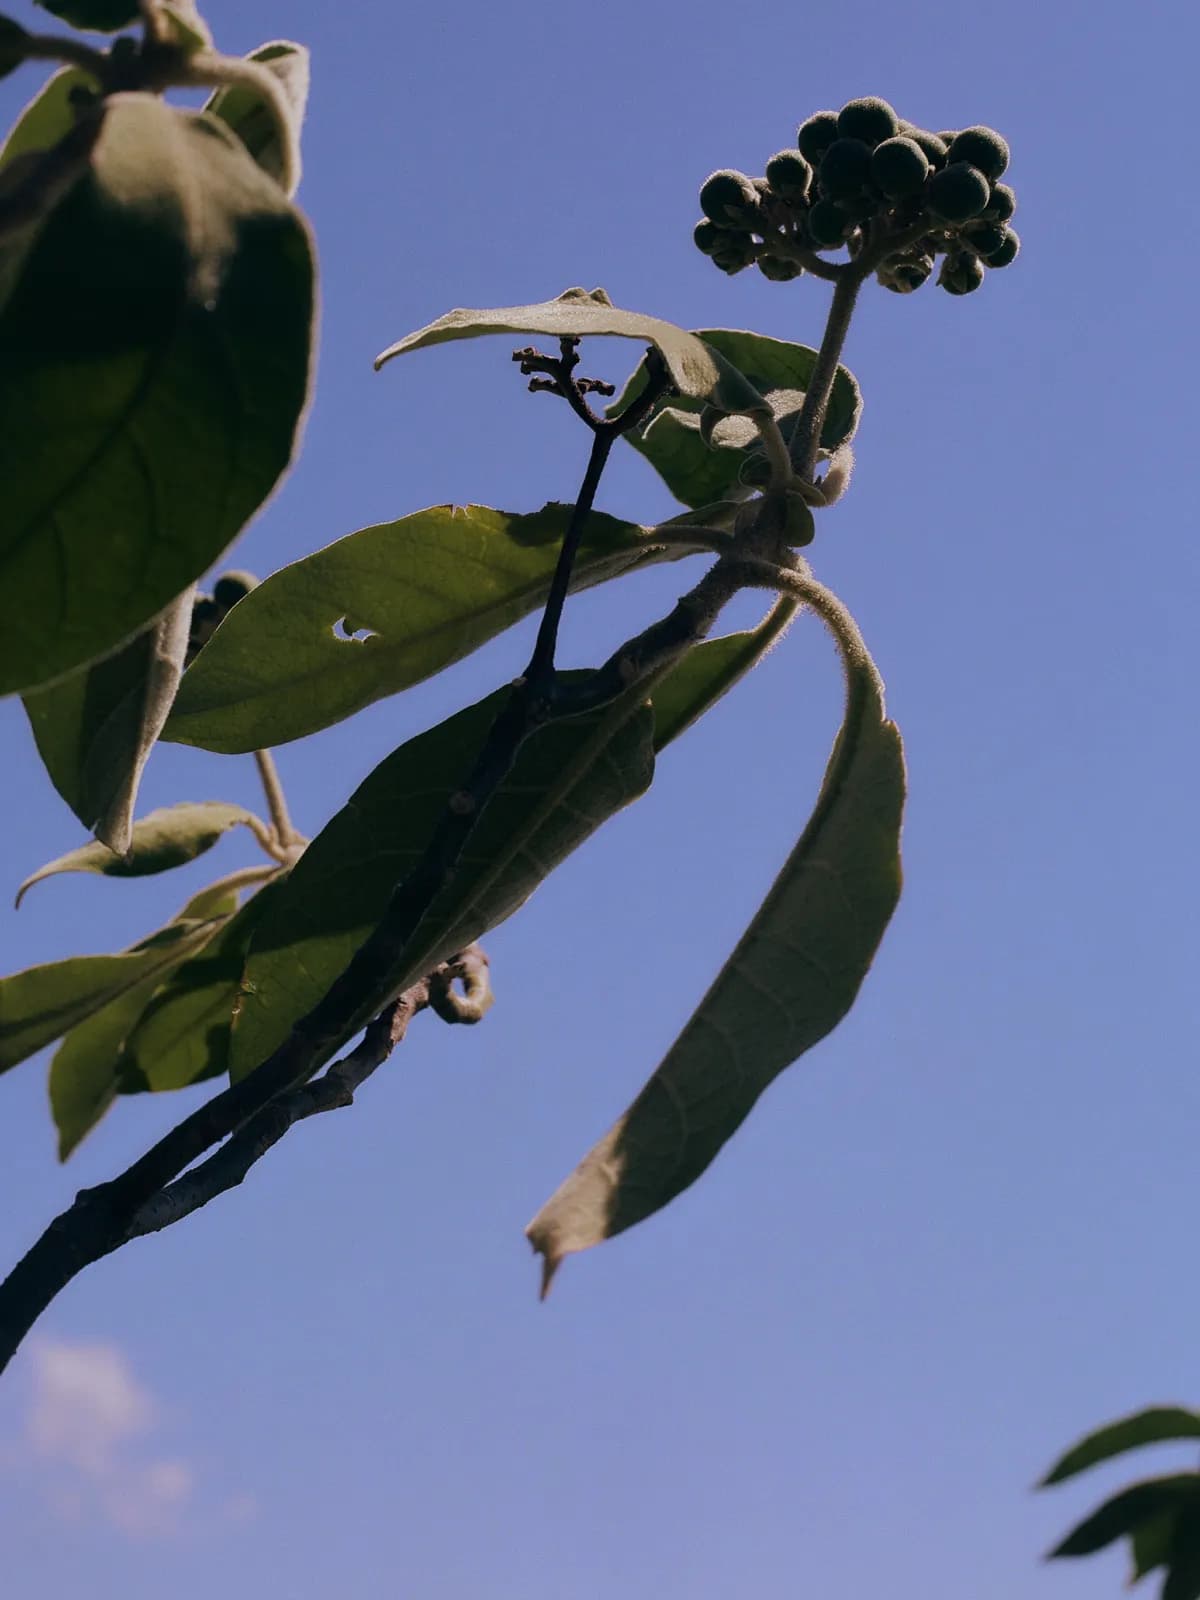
point(71, 52)
point(806, 429)
point(206, 69)
point(287, 842)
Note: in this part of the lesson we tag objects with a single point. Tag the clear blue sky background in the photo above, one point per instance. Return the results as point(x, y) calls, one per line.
point(962, 1231)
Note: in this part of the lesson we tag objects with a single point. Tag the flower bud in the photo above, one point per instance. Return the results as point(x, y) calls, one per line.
point(789, 175)
point(827, 225)
point(778, 268)
point(729, 199)
point(1006, 252)
point(1002, 204)
point(231, 587)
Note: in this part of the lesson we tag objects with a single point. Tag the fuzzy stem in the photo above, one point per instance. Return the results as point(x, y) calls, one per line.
point(806, 430)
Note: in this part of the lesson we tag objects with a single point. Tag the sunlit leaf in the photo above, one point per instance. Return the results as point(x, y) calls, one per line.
point(671, 441)
point(568, 779)
point(248, 114)
point(791, 979)
point(379, 611)
point(1155, 1425)
point(149, 403)
point(697, 370)
point(163, 839)
point(96, 728)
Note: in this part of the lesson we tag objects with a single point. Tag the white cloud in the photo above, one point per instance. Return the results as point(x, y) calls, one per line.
point(90, 1427)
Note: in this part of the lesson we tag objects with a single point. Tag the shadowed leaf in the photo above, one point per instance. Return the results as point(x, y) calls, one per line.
point(670, 438)
point(161, 840)
point(97, 16)
point(12, 45)
point(95, 729)
point(426, 591)
point(248, 114)
point(1155, 1425)
point(696, 369)
point(1131, 1509)
point(794, 975)
point(149, 403)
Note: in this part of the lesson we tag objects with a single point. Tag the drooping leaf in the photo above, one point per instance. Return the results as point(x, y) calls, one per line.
point(569, 778)
point(13, 38)
point(42, 1003)
point(427, 590)
point(182, 1036)
point(1155, 1425)
point(697, 369)
point(96, 16)
point(149, 404)
point(163, 839)
point(184, 27)
point(1131, 1509)
point(790, 981)
point(707, 672)
point(248, 114)
point(96, 728)
point(671, 440)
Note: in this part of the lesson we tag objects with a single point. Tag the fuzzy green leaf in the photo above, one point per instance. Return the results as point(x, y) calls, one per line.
point(42, 1003)
point(790, 981)
point(1155, 1425)
point(248, 114)
point(1131, 1509)
point(708, 672)
point(96, 728)
point(96, 16)
point(671, 440)
point(697, 370)
point(569, 778)
point(170, 837)
point(48, 117)
point(427, 589)
point(149, 404)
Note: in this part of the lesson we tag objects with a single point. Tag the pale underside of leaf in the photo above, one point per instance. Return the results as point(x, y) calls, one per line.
point(246, 112)
point(792, 977)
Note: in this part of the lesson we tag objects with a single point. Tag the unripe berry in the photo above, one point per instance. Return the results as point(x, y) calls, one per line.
point(1002, 204)
point(1006, 252)
point(778, 269)
point(907, 272)
point(934, 148)
point(948, 136)
point(845, 167)
point(736, 252)
point(982, 148)
point(961, 274)
point(231, 587)
point(985, 238)
point(872, 120)
point(899, 167)
point(707, 237)
point(826, 224)
point(815, 136)
point(958, 192)
point(729, 199)
point(789, 175)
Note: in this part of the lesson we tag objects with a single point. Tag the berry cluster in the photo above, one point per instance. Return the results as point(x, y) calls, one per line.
point(894, 195)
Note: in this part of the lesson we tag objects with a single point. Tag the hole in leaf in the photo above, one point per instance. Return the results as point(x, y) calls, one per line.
point(345, 630)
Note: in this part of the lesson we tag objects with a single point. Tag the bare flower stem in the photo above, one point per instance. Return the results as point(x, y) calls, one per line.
point(805, 440)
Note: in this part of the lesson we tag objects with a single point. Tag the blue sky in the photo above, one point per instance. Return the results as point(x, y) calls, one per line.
point(955, 1236)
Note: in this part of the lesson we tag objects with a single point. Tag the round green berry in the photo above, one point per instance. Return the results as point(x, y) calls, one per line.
point(1007, 251)
point(845, 168)
point(872, 120)
point(729, 198)
point(958, 192)
point(789, 175)
point(826, 224)
point(899, 167)
point(814, 136)
point(1002, 204)
point(961, 274)
point(707, 237)
point(778, 269)
point(982, 148)
point(231, 587)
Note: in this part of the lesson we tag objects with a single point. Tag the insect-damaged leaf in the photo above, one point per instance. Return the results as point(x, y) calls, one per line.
point(248, 114)
point(96, 728)
point(426, 590)
point(567, 780)
point(154, 357)
point(696, 472)
point(791, 979)
point(697, 370)
point(170, 837)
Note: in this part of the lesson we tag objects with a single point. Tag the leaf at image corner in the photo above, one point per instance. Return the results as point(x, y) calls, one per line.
point(192, 329)
point(94, 16)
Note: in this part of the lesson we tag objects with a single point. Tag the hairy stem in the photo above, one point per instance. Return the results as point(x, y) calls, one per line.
point(806, 430)
point(281, 822)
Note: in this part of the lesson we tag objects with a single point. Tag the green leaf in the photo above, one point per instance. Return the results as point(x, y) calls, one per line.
point(1131, 1509)
point(184, 27)
point(1182, 1581)
point(789, 982)
point(671, 441)
point(569, 778)
point(48, 117)
point(1156, 1425)
point(42, 1003)
point(13, 38)
point(248, 114)
point(96, 728)
point(170, 837)
point(1150, 1545)
point(707, 672)
point(148, 405)
point(697, 370)
point(430, 588)
point(97, 16)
